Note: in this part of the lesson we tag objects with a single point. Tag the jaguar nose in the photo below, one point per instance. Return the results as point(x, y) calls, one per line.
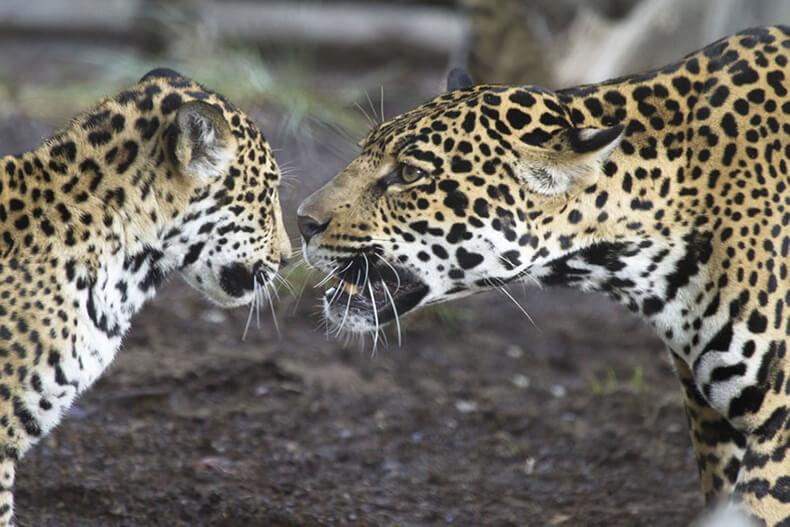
point(309, 226)
point(235, 279)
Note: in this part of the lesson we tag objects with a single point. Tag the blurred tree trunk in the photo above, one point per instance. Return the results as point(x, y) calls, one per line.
point(510, 41)
point(655, 33)
point(504, 46)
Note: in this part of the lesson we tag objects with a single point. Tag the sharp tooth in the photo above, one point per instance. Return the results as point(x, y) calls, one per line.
point(350, 289)
point(331, 291)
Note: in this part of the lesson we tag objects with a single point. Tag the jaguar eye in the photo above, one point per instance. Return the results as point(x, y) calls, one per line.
point(410, 173)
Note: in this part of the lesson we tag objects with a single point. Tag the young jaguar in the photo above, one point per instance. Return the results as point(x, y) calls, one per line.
point(669, 191)
point(165, 176)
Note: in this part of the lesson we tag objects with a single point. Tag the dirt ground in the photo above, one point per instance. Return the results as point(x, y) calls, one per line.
point(482, 419)
point(479, 418)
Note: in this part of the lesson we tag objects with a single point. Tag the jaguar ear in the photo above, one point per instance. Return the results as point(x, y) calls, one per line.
point(458, 79)
point(200, 142)
point(571, 160)
point(599, 142)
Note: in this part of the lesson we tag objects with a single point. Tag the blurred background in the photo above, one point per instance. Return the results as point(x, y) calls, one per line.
point(481, 417)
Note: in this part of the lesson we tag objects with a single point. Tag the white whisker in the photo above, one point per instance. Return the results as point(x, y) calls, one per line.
point(375, 315)
point(395, 310)
point(534, 280)
point(326, 279)
point(252, 308)
point(284, 283)
point(348, 306)
point(274, 315)
point(301, 289)
point(505, 292)
point(372, 107)
point(274, 292)
point(259, 297)
point(338, 289)
point(346, 268)
point(347, 138)
point(381, 102)
point(367, 269)
point(395, 271)
point(371, 121)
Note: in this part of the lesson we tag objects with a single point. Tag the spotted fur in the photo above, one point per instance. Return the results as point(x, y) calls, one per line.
point(669, 191)
point(164, 176)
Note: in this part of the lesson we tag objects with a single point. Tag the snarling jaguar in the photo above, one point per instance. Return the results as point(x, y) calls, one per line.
point(667, 190)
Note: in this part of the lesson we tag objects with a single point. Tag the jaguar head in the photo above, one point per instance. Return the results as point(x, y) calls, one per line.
point(230, 235)
point(461, 194)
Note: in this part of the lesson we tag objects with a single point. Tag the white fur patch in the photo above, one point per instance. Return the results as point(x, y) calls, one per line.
point(211, 155)
point(726, 515)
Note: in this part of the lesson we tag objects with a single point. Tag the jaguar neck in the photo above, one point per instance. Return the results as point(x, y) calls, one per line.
point(663, 283)
point(103, 184)
point(629, 251)
point(103, 225)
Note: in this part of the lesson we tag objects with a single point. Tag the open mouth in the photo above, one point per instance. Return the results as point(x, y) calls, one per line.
point(377, 291)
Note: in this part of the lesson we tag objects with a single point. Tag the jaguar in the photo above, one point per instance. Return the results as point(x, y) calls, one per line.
point(165, 176)
point(667, 190)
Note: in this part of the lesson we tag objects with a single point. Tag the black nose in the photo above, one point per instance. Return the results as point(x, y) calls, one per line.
point(235, 279)
point(309, 226)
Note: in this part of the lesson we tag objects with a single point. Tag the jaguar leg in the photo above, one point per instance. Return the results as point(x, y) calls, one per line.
point(719, 447)
point(7, 467)
point(763, 486)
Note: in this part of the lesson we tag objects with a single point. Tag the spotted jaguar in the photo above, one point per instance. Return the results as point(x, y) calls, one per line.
point(667, 190)
point(164, 176)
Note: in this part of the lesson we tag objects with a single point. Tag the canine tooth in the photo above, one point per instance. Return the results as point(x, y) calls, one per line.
point(331, 291)
point(350, 289)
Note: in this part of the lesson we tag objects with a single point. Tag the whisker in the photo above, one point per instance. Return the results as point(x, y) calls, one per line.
point(346, 268)
point(338, 288)
point(367, 269)
point(381, 102)
point(259, 293)
point(522, 273)
point(274, 292)
point(274, 315)
point(345, 136)
point(534, 280)
point(394, 271)
point(375, 316)
point(348, 306)
point(252, 308)
point(371, 122)
point(395, 310)
point(505, 292)
point(299, 296)
point(376, 334)
point(372, 107)
point(326, 279)
point(284, 283)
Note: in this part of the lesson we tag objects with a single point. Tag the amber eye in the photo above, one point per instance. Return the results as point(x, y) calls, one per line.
point(410, 173)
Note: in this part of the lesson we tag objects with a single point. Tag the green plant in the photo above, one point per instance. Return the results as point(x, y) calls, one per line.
point(610, 383)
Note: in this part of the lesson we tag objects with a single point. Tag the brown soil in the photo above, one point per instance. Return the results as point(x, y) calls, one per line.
point(478, 419)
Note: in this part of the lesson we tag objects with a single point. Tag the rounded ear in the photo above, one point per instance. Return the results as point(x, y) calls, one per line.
point(200, 141)
point(572, 159)
point(161, 73)
point(458, 79)
point(599, 142)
